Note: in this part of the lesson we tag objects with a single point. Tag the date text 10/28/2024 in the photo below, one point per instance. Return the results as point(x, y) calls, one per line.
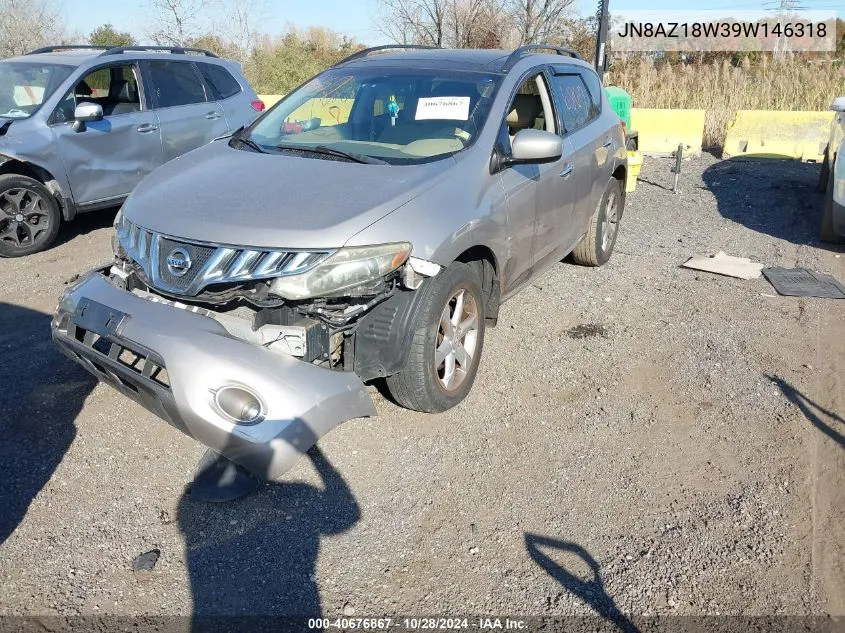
point(418, 624)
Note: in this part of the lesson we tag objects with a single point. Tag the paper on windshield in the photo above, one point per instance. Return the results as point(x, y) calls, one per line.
point(456, 108)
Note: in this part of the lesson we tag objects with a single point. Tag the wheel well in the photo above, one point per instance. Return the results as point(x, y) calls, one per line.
point(43, 176)
point(485, 261)
point(25, 169)
point(619, 174)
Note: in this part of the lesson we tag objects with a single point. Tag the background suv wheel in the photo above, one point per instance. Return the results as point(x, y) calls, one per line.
point(29, 216)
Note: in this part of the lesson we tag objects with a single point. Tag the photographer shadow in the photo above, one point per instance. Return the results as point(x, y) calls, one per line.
point(591, 591)
point(255, 558)
point(41, 394)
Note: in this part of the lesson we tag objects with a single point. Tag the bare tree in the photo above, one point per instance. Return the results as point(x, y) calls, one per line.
point(237, 22)
point(540, 21)
point(475, 23)
point(444, 23)
point(232, 25)
point(414, 21)
point(179, 22)
point(29, 24)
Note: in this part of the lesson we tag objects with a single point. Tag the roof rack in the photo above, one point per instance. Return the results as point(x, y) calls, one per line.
point(116, 50)
point(67, 47)
point(384, 47)
point(176, 50)
point(520, 52)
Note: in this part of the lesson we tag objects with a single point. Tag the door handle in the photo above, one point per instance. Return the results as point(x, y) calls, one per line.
point(146, 128)
point(608, 142)
point(213, 116)
point(567, 171)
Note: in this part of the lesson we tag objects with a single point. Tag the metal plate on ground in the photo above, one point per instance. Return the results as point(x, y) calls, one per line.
point(800, 282)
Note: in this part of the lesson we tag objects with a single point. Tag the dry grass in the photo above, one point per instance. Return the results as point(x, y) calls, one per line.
point(722, 89)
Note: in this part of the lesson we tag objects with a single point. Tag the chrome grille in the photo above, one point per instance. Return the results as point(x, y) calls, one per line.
point(199, 258)
point(210, 263)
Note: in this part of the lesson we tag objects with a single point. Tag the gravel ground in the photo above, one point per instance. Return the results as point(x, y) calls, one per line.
point(642, 439)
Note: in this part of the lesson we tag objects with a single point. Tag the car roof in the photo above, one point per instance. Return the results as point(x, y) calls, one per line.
point(66, 58)
point(79, 56)
point(476, 59)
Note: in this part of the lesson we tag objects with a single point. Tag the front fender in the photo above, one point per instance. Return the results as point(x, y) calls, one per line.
point(37, 152)
point(464, 211)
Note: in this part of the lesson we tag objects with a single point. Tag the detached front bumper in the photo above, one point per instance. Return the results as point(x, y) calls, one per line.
point(171, 360)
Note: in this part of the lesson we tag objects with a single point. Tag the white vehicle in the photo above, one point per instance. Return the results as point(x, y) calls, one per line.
point(832, 181)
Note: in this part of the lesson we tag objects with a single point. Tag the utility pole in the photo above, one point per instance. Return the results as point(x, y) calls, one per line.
point(783, 9)
point(601, 37)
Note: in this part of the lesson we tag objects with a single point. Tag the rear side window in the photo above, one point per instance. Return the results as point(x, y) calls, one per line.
point(594, 86)
point(221, 82)
point(577, 107)
point(175, 83)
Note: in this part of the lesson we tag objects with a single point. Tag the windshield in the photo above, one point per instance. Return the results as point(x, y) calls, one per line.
point(25, 85)
point(398, 116)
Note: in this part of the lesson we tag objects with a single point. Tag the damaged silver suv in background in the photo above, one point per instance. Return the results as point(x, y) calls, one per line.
point(367, 227)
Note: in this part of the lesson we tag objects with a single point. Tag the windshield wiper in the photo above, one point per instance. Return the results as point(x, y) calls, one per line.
point(330, 151)
point(252, 144)
point(238, 136)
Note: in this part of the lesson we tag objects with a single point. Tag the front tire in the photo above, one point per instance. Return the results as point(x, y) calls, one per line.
point(446, 344)
point(597, 246)
point(29, 216)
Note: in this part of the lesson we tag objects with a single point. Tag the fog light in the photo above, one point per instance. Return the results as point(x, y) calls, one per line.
point(239, 405)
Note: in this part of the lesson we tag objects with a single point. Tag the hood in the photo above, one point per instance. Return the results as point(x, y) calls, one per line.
point(228, 196)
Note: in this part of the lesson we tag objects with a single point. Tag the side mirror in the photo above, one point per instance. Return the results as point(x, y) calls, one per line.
point(535, 146)
point(838, 105)
point(88, 112)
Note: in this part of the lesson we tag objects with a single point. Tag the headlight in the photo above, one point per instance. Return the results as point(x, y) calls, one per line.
point(116, 246)
point(347, 268)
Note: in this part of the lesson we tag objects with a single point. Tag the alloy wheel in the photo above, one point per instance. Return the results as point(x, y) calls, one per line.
point(457, 339)
point(611, 221)
point(23, 217)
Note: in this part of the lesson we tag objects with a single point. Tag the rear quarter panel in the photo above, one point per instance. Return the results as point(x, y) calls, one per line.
point(238, 109)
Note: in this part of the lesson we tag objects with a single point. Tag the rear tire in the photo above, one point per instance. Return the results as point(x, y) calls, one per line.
point(824, 176)
point(29, 216)
point(826, 232)
point(597, 246)
point(446, 345)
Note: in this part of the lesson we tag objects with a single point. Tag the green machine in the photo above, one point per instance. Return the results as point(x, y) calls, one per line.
point(620, 101)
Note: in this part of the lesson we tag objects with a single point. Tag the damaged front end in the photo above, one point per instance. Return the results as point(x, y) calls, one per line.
point(255, 353)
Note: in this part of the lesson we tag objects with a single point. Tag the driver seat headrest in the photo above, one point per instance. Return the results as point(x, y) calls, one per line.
point(83, 89)
point(524, 111)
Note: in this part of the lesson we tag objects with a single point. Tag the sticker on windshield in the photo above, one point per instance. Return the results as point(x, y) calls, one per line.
point(456, 108)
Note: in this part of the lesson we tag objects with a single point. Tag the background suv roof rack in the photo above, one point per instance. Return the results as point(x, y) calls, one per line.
point(67, 47)
point(116, 50)
point(384, 47)
point(520, 52)
point(176, 50)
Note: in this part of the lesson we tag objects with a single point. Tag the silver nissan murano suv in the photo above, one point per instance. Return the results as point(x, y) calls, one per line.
point(366, 227)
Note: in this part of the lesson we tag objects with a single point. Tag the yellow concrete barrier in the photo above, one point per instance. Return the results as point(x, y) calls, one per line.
point(330, 111)
point(778, 134)
point(270, 100)
point(661, 131)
